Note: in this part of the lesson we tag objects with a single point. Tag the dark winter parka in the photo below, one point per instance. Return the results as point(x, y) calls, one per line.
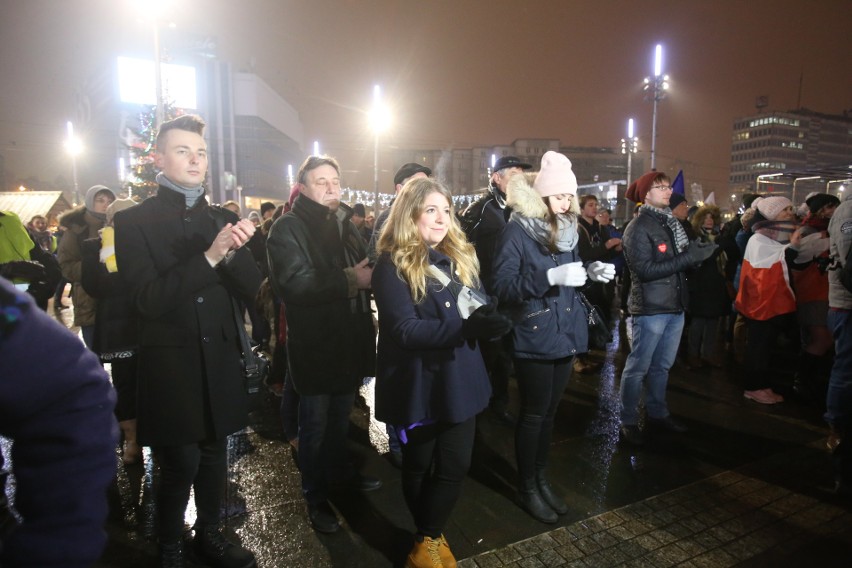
point(708, 287)
point(331, 340)
point(425, 369)
point(190, 380)
point(550, 321)
point(657, 271)
point(489, 219)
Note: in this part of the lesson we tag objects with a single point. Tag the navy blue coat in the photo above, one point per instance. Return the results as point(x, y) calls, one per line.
point(425, 368)
point(550, 321)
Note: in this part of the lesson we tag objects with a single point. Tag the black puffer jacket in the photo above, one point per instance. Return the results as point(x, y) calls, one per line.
point(488, 218)
point(331, 340)
point(657, 271)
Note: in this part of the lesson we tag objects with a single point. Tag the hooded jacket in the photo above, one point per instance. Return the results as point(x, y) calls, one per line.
point(550, 322)
point(79, 225)
point(840, 233)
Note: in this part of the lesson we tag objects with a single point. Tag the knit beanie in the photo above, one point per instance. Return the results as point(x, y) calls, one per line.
point(676, 199)
point(819, 200)
point(640, 188)
point(92, 193)
point(770, 207)
point(555, 176)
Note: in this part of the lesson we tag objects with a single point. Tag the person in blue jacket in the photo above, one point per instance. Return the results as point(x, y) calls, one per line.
point(56, 406)
point(537, 269)
point(431, 381)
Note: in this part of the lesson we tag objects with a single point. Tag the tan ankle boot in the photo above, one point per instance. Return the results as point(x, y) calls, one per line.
point(426, 554)
point(131, 452)
point(445, 553)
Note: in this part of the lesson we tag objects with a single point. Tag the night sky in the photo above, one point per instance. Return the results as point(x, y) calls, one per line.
point(456, 73)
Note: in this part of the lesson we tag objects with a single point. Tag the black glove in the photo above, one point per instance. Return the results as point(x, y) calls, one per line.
point(486, 324)
point(700, 251)
point(24, 270)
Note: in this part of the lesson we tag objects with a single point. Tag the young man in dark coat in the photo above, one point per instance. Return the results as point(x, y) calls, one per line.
point(318, 267)
point(185, 263)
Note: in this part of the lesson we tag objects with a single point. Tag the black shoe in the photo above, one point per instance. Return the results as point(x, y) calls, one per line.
point(502, 417)
point(358, 482)
point(532, 503)
point(212, 549)
point(668, 423)
point(552, 499)
point(323, 518)
point(631, 434)
point(171, 554)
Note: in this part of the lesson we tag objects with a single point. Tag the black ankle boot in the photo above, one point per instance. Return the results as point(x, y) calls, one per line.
point(212, 549)
point(532, 502)
point(552, 499)
point(171, 554)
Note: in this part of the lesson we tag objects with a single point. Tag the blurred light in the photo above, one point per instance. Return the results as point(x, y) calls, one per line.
point(21, 188)
point(630, 128)
point(73, 145)
point(137, 83)
point(380, 118)
point(658, 61)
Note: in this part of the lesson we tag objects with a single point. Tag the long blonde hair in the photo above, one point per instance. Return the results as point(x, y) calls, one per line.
point(409, 252)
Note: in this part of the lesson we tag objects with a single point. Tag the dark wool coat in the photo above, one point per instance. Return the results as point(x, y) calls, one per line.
point(190, 379)
point(426, 369)
point(492, 219)
point(657, 270)
point(330, 347)
point(550, 321)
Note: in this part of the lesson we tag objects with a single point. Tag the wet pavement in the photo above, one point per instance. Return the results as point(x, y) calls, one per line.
point(745, 486)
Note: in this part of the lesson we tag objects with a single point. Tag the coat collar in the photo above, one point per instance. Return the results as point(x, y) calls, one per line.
point(177, 200)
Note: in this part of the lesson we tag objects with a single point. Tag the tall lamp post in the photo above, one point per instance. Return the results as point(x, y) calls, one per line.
point(73, 146)
point(629, 146)
point(379, 121)
point(655, 89)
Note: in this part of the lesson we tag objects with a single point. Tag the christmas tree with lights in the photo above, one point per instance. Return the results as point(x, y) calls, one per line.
point(141, 143)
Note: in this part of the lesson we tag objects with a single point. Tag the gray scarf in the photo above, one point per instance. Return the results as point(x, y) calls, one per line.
point(681, 238)
point(191, 194)
point(539, 230)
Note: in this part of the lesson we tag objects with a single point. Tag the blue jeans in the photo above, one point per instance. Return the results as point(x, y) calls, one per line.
point(655, 342)
point(839, 400)
point(323, 434)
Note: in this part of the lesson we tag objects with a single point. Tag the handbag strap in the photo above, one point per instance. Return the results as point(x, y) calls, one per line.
point(248, 354)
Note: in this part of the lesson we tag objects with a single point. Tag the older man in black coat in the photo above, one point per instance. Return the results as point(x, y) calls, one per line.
point(318, 266)
point(184, 269)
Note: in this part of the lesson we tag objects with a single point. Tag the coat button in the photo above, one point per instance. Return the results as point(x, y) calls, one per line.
point(535, 327)
point(573, 351)
point(205, 339)
point(447, 304)
point(200, 300)
point(568, 309)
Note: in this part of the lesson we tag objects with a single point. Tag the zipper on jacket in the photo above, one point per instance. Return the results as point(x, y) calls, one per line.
point(538, 313)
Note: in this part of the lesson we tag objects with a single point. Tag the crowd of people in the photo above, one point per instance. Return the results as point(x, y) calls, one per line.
point(441, 306)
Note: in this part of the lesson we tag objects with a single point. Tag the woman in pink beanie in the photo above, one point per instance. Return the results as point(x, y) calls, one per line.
point(537, 269)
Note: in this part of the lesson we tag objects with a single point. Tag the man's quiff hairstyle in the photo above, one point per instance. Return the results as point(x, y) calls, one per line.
point(312, 163)
point(188, 122)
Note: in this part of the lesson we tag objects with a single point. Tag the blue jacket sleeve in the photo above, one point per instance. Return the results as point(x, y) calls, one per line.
point(511, 283)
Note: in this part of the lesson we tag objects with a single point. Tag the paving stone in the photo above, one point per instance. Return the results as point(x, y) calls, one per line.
point(722, 535)
point(531, 562)
point(640, 509)
point(662, 535)
point(692, 547)
point(679, 510)
point(569, 552)
point(638, 527)
point(550, 558)
point(621, 532)
point(610, 519)
point(662, 518)
point(717, 558)
point(648, 542)
point(736, 526)
point(726, 478)
point(605, 539)
point(527, 548)
point(488, 560)
point(670, 555)
point(561, 535)
point(612, 556)
point(507, 555)
point(694, 525)
point(631, 549)
point(579, 530)
point(679, 530)
point(705, 540)
point(587, 545)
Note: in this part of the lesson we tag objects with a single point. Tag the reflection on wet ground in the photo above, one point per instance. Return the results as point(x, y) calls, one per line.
point(743, 487)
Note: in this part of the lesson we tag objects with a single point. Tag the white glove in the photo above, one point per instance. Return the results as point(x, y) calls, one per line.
point(600, 271)
point(571, 274)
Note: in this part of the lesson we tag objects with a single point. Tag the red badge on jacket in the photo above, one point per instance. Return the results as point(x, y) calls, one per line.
point(662, 248)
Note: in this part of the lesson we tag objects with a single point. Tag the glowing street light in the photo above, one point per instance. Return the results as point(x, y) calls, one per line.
point(629, 146)
point(655, 88)
point(379, 122)
point(73, 146)
point(316, 148)
point(155, 11)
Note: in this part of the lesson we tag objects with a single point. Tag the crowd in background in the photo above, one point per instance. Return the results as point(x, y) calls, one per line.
point(461, 302)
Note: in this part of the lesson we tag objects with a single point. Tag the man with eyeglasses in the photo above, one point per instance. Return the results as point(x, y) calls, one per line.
point(658, 253)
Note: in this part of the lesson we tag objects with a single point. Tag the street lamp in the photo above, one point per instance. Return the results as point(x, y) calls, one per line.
point(629, 146)
point(655, 88)
point(73, 146)
point(379, 122)
point(156, 10)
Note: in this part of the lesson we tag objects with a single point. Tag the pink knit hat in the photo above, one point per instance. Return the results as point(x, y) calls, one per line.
point(555, 176)
point(770, 207)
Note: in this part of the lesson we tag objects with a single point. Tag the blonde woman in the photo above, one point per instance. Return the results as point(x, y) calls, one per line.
point(431, 381)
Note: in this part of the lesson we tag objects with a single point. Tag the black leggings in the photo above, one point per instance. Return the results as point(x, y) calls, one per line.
point(760, 343)
point(431, 493)
point(202, 466)
point(541, 384)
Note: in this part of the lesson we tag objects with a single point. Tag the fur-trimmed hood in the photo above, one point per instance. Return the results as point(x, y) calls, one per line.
point(701, 214)
point(79, 220)
point(526, 201)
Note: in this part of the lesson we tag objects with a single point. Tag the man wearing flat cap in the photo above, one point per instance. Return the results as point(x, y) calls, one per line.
point(411, 170)
point(658, 253)
point(483, 221)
